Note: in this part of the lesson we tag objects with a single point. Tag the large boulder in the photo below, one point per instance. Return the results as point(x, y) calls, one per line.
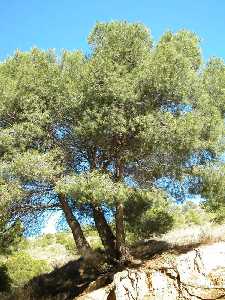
point(196, 274)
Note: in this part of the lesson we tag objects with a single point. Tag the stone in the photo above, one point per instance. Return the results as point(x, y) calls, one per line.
point(131, 284)
point(100, 294)
point(202, 271)
point(197, 274)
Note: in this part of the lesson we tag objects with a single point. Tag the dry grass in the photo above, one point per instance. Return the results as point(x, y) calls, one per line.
point(180, 240)
point(198, 234)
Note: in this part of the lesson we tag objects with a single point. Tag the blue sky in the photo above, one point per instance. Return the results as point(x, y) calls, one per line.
point(65, 24)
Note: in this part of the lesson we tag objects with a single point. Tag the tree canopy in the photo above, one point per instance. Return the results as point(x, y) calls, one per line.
point(76, 129)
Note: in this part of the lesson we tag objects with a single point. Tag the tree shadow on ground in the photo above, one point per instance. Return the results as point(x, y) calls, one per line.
point(5, 281)
point(64, 283)
point(145, 250)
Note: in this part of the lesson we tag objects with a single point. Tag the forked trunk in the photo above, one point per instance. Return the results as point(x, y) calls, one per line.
point(82, 244)
point(105, 232)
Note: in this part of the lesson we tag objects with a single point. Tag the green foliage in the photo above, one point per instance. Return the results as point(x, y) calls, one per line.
point(10, 190)
point(44, 240)
point(147, 218)
point(65, 239)
point(214, 82)
point(132, 109)
point(121, 99)
point(50, 241)
point(189, 213)
point(148, 214)
point(22, 267)
point(10, 236)
point(92, 187)
point(213, 189)
point(35, 166)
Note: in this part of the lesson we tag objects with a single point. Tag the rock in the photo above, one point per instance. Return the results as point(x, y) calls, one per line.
point(202, 271)
point(162, 286)
point(197, 274)
point(131, 284)
point(100, 294)
point(128, 284)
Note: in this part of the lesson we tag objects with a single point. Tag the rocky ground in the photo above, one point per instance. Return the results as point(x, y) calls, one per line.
point(197, 273)
point(188, 263)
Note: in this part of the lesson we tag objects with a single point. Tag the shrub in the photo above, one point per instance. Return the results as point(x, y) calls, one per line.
point(145, 218)
point(189, 213)
point(45, 240)
point(65, 239)
point(22, 267)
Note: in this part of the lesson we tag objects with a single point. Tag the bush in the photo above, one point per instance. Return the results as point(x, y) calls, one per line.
point(189, 213)
point(215, 209)
point(22, 267)
point(90, 230)
point(65, 239)
point(45, 240)
point(146, 217)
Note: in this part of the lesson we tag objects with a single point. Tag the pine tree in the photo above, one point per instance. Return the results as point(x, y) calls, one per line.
point(74, 130)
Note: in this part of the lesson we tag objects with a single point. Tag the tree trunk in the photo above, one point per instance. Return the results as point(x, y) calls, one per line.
point(124, 255)
point(105, 233)
point(107, 237)
point(82, 244)
point(120, 234)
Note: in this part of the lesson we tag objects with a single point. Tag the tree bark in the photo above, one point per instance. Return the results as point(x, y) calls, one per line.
point(124, 255)
point(120, 231)
point(105, 232)
point(82, 244)
point(120, 234)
